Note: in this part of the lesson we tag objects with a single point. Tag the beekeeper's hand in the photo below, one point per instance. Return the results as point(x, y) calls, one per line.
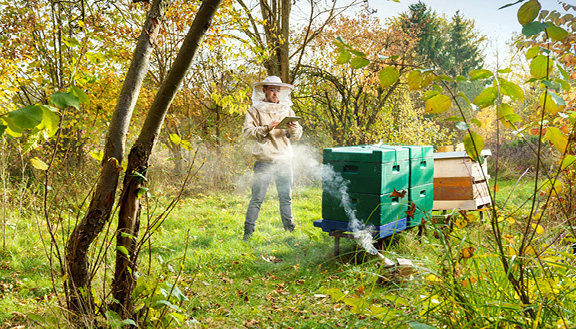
point(273, 125)
point(293, 124)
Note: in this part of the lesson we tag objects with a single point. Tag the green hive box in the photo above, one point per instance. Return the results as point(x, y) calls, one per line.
point(369, 169)
point(368, 208)
point(421, 163)
point(422, 196)
point(417, 219)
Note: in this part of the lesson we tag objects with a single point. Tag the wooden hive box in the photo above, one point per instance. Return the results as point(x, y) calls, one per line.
point(460, 182)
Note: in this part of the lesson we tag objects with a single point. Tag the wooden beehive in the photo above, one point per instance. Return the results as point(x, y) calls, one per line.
point(460, 182)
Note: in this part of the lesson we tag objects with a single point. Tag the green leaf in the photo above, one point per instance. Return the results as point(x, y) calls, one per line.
point(480, 74)
point(443, 78)
point(474, 144)
point(507, 116)
point(122, 250)
point(175, 139)
point(462, 125)
point(127, 235)
point(358, 62)
point(27, 117)
point(128, 321)
point(453, 118)
point(565, 85)
point(541, 66)
point(418, 325)
point(32, 141)
point(414, 80)
point(2, 129)
point(139, 177)
point(388, 76)
point(98, 155)
point(70, 42)
point(486, 97)
point(438, 104)
point(437, 87)
point(461, 78)
point(418, 79)
point(477, 122)
point(511, 89)
point(551, 102)
point(79, 93)
point(186, 145)
point(528, 12)
point(63, 100)
point(429, 94)
point(50, 120)
point(556, 33)
point(344, 57)
point(557, 138)
point(38, 164)
point(358, 53)
point(141, 191)
point(464, 97)
point(534, 28)
point(567, 161)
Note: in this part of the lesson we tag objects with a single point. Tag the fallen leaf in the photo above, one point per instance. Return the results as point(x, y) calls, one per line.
point(396, 194)
point(411, 211)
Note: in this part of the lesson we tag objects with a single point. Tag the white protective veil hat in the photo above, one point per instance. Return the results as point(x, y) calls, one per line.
point(273, 81)
point(284, 96)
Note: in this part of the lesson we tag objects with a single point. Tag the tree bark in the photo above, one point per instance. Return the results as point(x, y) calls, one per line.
point(129, 215)
point(78, 282)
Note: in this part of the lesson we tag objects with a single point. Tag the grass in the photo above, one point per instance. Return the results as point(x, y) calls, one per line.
point(280, 279)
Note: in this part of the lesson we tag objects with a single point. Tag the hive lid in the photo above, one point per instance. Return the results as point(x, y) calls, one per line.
point(415, 151)
point(458, 154)
point(365, 153)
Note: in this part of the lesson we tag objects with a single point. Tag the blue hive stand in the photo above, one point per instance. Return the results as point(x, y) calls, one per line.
point(339, 229)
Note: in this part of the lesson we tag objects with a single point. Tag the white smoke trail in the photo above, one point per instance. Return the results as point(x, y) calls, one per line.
point(337, 186)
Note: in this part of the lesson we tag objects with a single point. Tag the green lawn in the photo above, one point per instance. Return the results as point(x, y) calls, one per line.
point(278, 279)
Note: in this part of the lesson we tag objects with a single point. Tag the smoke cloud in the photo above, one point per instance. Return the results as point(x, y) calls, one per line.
point(305, 164)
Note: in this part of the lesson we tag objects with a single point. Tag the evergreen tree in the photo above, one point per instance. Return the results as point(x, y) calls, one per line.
point(462, 47)
point(426, 24)
point(451, 48)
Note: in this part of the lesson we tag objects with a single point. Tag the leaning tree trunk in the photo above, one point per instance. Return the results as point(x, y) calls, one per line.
point(129, 215)
point(78, 282)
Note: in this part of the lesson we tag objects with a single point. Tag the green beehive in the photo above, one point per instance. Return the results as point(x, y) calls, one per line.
point(369, 169)
point(421, 163)
point(367, 208)
point(422, 196)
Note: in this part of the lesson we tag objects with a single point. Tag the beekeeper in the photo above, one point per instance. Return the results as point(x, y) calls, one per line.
point(272, 148)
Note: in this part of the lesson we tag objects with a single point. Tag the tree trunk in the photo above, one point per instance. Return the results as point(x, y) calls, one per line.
point(129, 216)
point(78, 283)
point(276, 15)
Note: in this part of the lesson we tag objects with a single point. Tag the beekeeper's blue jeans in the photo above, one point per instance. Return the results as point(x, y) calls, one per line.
point(281, 171)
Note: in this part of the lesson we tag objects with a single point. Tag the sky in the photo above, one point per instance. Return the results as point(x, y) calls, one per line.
point(497, 24)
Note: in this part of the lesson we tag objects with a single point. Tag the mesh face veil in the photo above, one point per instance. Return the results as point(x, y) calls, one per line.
point(283, 106)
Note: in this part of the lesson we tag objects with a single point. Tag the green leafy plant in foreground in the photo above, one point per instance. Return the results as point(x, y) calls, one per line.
point(518, 272)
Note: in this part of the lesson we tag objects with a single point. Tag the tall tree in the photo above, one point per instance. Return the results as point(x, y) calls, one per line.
point(270, 34)
point(451, 48)
point(462, 47)
point(78, 282)
point(421, 20)
point(129, 215)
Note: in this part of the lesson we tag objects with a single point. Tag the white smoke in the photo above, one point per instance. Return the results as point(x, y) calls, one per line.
point(334, 184)
point(306, 165)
